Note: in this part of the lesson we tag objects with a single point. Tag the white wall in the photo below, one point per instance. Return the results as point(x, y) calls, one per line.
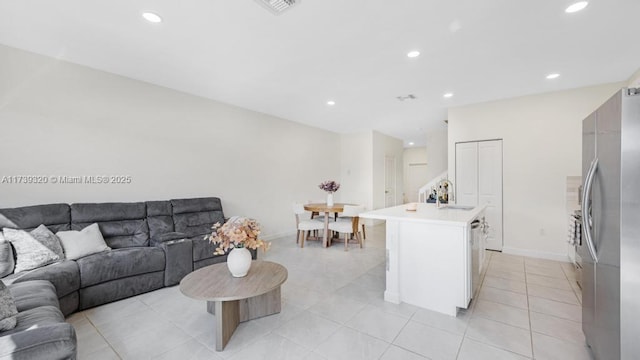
point(63, 119)
point(542, 146)
point(634, 80)
point(356, 168)
point(437, 153)
point(384, 146)
point(413, 157)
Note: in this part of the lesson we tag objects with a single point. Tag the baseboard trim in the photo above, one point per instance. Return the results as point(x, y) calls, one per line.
point(279, 235)
point(536, 254)
point(392, 297)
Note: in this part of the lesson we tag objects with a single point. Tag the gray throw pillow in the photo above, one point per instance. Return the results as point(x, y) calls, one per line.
point(78, 244)
point(30, 253)
point(48, 239)
point(6, 257)
point(8, 310)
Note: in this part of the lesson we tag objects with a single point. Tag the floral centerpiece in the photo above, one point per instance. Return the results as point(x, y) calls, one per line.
point(330, 187)
point(237, 235)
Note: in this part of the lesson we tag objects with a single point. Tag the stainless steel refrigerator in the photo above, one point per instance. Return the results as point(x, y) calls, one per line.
point(610, 250)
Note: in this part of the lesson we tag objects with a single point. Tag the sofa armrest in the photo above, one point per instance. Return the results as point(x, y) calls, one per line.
point(178, 258)
point(54, 341)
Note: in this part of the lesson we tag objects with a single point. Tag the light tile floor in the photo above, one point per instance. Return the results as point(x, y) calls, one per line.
point(333, 308)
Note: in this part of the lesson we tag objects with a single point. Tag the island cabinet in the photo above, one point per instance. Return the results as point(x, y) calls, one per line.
point(429, 255)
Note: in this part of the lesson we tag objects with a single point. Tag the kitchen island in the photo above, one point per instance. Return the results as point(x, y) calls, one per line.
point(429, 255)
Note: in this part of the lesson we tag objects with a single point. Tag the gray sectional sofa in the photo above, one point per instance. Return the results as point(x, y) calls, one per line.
point(154, 244)
point(41, 332)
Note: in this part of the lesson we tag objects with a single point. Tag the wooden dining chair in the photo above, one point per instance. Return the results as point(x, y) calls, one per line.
point(349, 224)
point(304, 226)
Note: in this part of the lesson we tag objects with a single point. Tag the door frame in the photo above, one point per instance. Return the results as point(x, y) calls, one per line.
point(395, 180)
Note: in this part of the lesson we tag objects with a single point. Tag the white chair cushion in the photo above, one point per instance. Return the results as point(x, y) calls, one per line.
point(306, 225)
point(341, 226)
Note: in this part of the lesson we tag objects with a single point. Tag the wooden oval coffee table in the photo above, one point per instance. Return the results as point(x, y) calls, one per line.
point(235, 300)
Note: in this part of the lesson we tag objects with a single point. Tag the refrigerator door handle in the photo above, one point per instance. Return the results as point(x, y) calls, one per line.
point(587, 219)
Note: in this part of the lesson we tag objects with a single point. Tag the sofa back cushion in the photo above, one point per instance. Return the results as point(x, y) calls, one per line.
point(56, 217)
point(159, 218)
point(195, 217)
point(121, 224)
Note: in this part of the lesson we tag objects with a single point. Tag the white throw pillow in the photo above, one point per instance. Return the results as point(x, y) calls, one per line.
point(33, 249)
point(78, 244)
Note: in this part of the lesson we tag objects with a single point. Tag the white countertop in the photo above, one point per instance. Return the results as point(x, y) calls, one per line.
point(426, 213)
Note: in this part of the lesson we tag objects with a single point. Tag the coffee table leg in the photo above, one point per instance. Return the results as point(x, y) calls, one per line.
point(261, 305)
point(228, 314)
point(227, 320)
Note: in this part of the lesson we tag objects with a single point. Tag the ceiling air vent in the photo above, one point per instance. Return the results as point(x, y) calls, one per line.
point(408, 97)
point(277, 6)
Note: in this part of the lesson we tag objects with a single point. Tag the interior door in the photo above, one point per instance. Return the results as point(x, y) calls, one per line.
point(389, 181)
point(416, 178)
point(490, 189)
point(466, 182)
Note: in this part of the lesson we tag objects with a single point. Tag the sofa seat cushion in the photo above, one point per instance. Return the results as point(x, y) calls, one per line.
point(64, 275)
point(36, 317)
point(119, 263)
point(32, 294)
point(41, 333)
point(202, 249)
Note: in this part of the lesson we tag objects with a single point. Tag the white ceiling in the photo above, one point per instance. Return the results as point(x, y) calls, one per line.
point(350, 51)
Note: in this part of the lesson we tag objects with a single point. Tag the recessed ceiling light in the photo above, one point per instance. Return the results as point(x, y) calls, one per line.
point(411, 143)
point(331, 102)
point(553, 76)
point(413, 54)
point(151, 17)
point(575, 7)
point(448, 95)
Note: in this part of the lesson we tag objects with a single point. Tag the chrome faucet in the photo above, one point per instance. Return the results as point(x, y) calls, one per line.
point(445, 190)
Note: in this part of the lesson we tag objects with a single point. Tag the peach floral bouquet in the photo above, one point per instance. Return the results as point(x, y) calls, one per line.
point(238, 232)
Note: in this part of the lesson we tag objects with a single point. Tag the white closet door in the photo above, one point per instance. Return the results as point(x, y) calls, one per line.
point(490, 189)
point(466, 181)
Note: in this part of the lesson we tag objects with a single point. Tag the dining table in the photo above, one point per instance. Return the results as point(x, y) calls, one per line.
point(327, 210)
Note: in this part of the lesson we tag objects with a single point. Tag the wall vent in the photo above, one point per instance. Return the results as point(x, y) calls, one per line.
point(408, 97)
point(277, 7)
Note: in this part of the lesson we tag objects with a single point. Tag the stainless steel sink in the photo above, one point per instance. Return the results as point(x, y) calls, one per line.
point(457, 207)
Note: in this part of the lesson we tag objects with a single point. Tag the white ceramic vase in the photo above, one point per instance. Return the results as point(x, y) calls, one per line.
point(330, 199)
point(239, 262)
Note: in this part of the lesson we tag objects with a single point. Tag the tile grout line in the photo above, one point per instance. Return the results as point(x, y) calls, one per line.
point(464, 334)
point(533, 356)
point(104, 338)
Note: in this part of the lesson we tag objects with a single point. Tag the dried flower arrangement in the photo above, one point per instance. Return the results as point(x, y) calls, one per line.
point(329, 186)
point(238, 232)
